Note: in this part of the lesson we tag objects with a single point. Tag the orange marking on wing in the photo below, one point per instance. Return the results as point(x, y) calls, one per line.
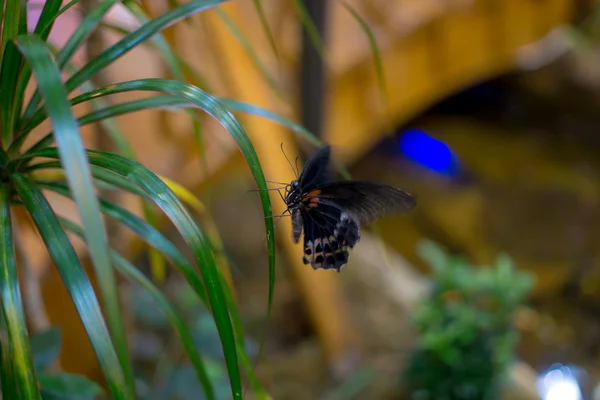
point(312, 195)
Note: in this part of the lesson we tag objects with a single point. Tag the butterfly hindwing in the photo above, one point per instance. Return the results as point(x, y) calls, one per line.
point(329, 235)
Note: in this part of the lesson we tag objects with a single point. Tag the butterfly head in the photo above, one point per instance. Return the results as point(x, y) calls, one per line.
point(293, 194)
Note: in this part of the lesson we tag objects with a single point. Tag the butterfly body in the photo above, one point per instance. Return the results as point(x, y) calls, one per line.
point(330, 213)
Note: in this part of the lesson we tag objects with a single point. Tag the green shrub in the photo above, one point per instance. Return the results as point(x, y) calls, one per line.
point(466, 337)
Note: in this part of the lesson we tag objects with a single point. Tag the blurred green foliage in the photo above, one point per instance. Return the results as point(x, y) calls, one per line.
point(466, 337)
point(45, 346)
point(162, 371)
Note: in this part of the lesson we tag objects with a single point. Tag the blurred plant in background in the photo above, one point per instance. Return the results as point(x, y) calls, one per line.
point(466, 335)
point(45, 347)
point(161, 368)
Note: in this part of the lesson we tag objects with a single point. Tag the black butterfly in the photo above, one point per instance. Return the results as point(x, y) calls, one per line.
point(331, 213)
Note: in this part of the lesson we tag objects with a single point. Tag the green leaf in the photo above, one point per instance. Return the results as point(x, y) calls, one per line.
point(149, 234)
point(175, 68)
point(240, 106)
point(138, 36)
point(181, 218)
point(12, 307)
point(79, 287)
point(10, 27)
point(9, 381)
point(161, 102)
point(42, 29)
point(176, 320)
point(155, 239)
point(265, 25)
point(9, 76)
point(170, 204)
point(214, 108)
point(309, 25)
point(65, 386)
point(249, 49)
point(45, 346)
point(105, 176)
point(76, 39)
point(48, 17)
point(74, 161)
point(374, 49)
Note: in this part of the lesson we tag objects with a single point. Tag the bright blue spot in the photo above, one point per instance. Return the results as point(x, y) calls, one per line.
point(429, 152)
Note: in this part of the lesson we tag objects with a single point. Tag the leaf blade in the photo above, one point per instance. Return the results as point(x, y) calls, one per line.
point(12, 306)
point(176, 320)
point(74, 161)
point(76, 281)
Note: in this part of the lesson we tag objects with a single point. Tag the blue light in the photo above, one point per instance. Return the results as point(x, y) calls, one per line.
point(428, 152)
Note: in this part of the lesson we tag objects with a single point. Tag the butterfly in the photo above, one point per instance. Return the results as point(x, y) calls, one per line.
point(331, 212)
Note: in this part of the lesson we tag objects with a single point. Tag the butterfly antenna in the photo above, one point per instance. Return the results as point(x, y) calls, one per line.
point(279, 183)
point(266, 190)
point(297, 169)
point(278, 216)
point(289, 162)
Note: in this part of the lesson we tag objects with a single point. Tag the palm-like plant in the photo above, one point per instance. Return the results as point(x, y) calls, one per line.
point(60, 163)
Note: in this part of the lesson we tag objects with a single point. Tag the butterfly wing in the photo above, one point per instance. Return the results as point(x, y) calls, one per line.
point(316, 169)
point(330, 213)
point(363, 201)
point(329, 235)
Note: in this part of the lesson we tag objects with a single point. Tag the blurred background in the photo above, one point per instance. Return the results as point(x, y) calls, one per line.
point(487, 110)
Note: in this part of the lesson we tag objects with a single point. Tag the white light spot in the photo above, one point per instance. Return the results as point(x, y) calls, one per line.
point(559, 384)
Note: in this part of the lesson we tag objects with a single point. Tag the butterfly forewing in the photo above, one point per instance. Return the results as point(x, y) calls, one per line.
point(365, 202)
point(316, 170)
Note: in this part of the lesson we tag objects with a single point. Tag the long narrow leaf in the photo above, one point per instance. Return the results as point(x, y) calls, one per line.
point(7, 377)
point(75, 41)
point(12, 306)
point(76, 282)
point(374, 49)
point(184, 222)
point(165, 306)
point(74, 160)
point(138, 36)
point(147, 233)
point(214, 108)
point(42, 29)
point(10, 27)
point(109, 125)
point(265, 25)
point(47, 18)
point(309, 25)
point(249, 49)
point(155, 239)
point(9, 76)
point(175, 68)
point(158, 102)
point(109, 177)
point(181, 218)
